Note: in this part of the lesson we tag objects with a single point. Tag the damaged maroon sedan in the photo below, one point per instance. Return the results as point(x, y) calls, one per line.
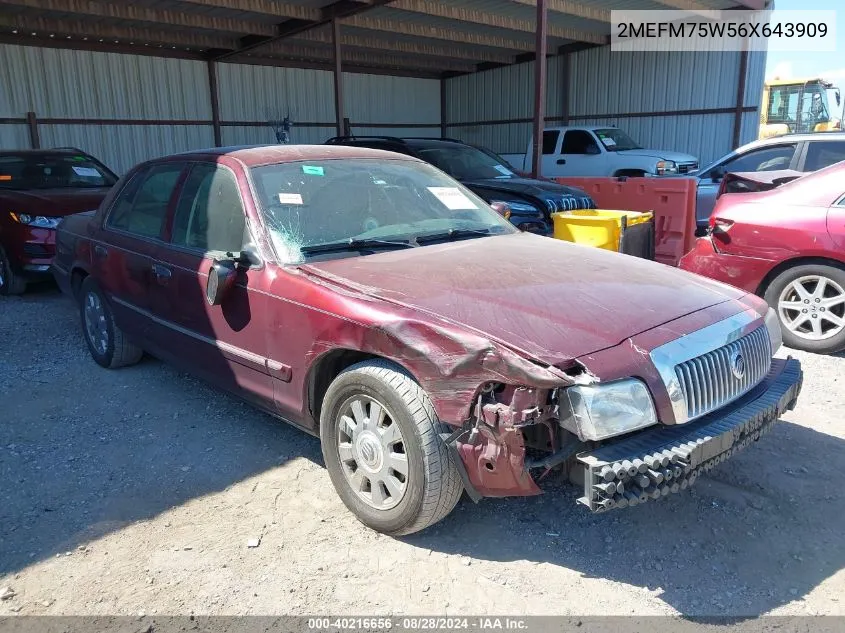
point(368, 298)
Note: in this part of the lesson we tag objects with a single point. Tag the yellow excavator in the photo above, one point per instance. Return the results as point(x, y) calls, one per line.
point(798, 106)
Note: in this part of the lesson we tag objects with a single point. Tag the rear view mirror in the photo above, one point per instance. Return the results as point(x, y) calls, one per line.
point(221, 278)
point(501, 208)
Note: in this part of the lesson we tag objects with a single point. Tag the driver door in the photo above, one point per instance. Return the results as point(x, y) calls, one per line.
point(225, 344)
point(580, 155)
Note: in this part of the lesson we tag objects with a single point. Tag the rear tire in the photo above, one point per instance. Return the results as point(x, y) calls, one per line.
point(810, 302)
point(107, 343)
point(10, 283)
point(375, 416)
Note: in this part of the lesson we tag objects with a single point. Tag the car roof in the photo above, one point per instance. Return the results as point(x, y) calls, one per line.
point(797, 138)
point(68, 151)
point(412, 142)
point(580, 127)
point(256, 155)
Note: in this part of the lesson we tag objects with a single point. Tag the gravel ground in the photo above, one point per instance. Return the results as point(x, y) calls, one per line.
point(138, 490)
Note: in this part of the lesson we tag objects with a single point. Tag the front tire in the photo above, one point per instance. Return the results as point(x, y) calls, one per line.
point(107, 343)
point(381, 445)
point(810, 303)
point(10, 283)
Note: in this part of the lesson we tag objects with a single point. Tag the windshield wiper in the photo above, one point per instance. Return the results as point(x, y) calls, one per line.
point(452, 234)
point(354, 245)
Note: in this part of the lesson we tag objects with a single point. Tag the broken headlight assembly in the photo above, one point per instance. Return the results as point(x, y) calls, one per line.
point(600, 411)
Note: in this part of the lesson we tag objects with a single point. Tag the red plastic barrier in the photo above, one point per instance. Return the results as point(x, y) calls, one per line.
point(671, 199)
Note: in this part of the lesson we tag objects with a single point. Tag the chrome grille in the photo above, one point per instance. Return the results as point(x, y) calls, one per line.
point(684, 168)
point(709, 381)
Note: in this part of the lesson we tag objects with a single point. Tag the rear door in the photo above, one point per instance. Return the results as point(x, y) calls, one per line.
point(819, 154)
point(129, 244)
point(225, 344)
point(548, 160)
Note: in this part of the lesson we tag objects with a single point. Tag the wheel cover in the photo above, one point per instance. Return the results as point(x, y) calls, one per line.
point(813, 307)
point(372, 452)
point(96, 327)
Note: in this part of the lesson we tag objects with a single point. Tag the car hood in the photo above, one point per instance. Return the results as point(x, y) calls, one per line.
point(550, 300)
point(556, 197)
point(55, 202)
point(659, 154)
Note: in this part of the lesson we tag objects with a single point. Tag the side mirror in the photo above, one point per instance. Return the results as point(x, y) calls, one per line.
point(501, 208)
point(592, 150)
point(221, 278)
point(716, 174)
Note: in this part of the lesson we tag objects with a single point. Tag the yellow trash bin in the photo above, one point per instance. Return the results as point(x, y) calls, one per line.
point(630, 232)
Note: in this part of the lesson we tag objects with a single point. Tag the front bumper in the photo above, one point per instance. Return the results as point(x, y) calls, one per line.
point(657, 462)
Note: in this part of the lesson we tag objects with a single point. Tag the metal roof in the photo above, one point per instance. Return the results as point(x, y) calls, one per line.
point(420, 37)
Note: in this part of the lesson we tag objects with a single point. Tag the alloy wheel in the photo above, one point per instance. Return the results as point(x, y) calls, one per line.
point(813, 307)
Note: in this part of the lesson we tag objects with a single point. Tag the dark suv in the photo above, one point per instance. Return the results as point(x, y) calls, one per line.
point(531, 201)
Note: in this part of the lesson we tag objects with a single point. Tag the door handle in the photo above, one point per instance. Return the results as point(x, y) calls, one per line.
point(161, 273)
point(561, 161)
point(100, 251)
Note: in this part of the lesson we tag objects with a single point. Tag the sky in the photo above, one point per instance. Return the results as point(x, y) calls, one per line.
point(830, 66)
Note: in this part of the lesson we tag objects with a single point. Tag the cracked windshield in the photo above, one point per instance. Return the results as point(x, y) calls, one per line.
point(366, 205)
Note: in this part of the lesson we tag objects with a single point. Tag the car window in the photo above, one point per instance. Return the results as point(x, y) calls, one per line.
point(42, 170)
point(550, 138)
point(769, 158)
point(465, 162)
point(579, 142)
point(142, 205)
point(307, 205)
point(821, 154)
point(209, 215)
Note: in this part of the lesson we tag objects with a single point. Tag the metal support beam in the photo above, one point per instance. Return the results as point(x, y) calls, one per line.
point(740, 93)
point(539, 87)
point(134, 11)
point(32, 124)
point(289, 28)
point(474, 16)
point(97, 32)
point(338, 78)
point(491, 39)
point(393, 45)
point(215, 103)
point(444, 110)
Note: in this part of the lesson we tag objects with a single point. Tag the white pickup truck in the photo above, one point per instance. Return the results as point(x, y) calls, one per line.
point(600, 151)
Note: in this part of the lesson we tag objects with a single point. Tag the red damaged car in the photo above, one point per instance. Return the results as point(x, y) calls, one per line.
point(37, 189)
point(786, 244)
point(368, 298)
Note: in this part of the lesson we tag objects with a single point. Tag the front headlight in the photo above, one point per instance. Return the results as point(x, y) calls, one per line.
point(773, 326)
point(596, 412)
point(666, 167)
point(521, 208)
point(37, 221)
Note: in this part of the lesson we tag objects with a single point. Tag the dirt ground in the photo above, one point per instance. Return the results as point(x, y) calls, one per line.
point(137, 491)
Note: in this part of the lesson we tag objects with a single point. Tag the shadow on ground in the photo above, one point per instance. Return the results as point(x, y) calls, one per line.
point(760, 531)
point(85, 451)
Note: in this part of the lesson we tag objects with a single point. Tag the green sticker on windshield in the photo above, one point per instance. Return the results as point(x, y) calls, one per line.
point(313, 170)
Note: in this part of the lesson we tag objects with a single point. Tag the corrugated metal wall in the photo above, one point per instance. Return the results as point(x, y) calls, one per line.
point(82, 85)
point(607, 88)
point(307, 96)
